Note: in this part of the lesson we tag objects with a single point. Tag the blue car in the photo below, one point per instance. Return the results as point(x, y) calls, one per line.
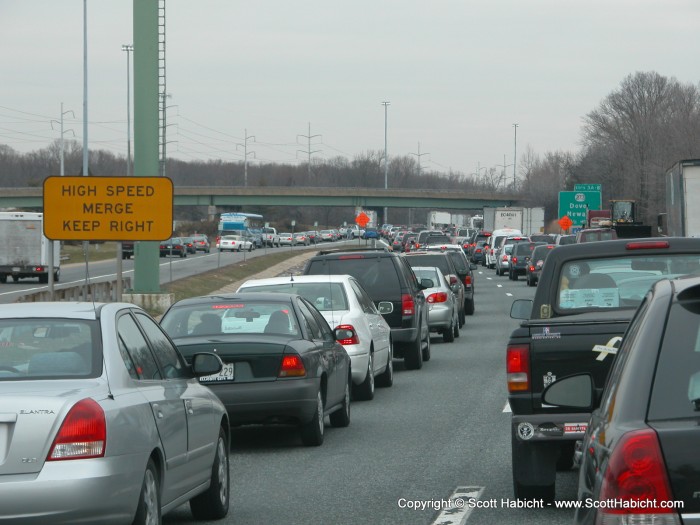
point(371, 233)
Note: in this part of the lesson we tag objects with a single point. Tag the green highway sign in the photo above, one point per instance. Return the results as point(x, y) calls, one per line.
point(576, 203)
point(588, 187)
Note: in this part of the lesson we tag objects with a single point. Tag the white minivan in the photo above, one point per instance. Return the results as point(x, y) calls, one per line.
point(494, 243)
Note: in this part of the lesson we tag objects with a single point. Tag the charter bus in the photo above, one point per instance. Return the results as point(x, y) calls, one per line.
point(238, 223)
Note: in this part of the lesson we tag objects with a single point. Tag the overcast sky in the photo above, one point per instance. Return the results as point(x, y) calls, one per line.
point(458, 74)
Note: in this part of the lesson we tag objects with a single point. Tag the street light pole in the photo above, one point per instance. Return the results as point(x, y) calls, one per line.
point(386, 158)
point(128, 48)
point(515, 152)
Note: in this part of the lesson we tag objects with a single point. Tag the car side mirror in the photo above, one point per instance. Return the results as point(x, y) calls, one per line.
point(521, 309)
point(206, 364)
point(385, 307)
point(575, 391)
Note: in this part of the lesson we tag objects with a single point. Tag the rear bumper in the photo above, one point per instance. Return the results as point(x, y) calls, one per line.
point(404, 335)
point(439, 317)
point(90, 491)
point(534, 428)
point(279, 401)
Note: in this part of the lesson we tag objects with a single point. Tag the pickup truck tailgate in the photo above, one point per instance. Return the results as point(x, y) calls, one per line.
point(565, 346)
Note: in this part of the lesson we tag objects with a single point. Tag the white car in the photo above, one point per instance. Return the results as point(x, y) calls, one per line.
point(235, 243)
point(286, 239)
point(344, 303)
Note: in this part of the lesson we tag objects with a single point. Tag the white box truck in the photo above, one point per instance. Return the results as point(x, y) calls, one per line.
point(682, 190)
point(533, 221)
point(25, 250)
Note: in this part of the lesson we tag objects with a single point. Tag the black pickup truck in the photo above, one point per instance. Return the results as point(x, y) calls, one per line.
point(584, 301)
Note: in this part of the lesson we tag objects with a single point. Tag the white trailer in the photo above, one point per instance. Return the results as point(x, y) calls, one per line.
point(439, 219)
point(26, 251)
point(533, 221)
point(508, 218)
point(682, 190)
point(489, 219)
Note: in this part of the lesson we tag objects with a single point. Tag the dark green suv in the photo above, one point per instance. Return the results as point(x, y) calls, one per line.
point(389, 280)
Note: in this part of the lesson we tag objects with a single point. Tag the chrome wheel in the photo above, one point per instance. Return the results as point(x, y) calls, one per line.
point(150, 498)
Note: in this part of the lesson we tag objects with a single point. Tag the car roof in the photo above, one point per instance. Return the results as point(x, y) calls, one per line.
point(318, 278)
point(244, 297)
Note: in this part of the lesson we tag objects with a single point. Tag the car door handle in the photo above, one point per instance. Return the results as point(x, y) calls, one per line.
point(158, 411)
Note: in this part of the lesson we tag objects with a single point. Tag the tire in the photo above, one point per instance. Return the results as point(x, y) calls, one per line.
point(529, 282)
point(213, 504)
point(469, 307)
point(57, 276)
point(426, 351)
point(448, 336)
point(239, 248)
point(456, 331)
point(365, 390)
point(386, 378)
point(341, 417)
point(462, 318)
point(3, 279)
point(312, 431)
point(515, 276)
point(413, 355)
point(44, 279)
point(148, 509)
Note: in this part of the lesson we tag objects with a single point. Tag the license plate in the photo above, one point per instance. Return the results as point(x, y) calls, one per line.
point(226, 374)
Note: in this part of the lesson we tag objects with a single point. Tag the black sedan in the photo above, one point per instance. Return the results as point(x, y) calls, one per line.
point(174, 246)
point(282, 362)
point(640, 462)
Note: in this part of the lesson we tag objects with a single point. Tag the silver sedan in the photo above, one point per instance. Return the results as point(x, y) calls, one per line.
point(443, 306)
point(103, 421)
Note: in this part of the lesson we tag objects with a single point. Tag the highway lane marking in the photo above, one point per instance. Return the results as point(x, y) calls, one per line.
point(506, 409)
point(500, 285)
point(509, 294)
point(458, 510)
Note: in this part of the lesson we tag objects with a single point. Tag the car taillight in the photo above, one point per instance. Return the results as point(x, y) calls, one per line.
point(292, 366)
point(531, 268)
point(437, 297)
point(83, 433)
point(478, 250)
point(467, 280)
point(518, 368)
point(408, 305)
point(636, 473)
point(514, 259)
point(505, 257)
point(354, 340)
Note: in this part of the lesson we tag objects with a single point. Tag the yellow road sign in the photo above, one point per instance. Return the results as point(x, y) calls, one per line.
point(108, 208)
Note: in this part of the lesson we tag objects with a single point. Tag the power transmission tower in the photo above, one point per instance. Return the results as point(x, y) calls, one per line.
point(308, 148)
point(419, 155)
point(245, 154)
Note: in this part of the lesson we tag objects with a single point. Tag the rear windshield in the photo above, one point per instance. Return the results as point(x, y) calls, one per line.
point(324, 296)
point(231, 317)
point(49, 349)
point(438, 260)
point(377, 275)
point(620, 282)
point(676, 390)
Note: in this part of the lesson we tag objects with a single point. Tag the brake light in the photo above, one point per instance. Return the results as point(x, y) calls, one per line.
point(514, 259)
point(354, 340)
point(437, 297)
point(83, 433)
point(518, 368)
point(351, 257)
point(467, 280)
point(636, 472)
point(647, 245)
point(505, 257)
point(292, 366)
point(531, 268)
point(478, 250)
point(408, 305)
point(39, 269)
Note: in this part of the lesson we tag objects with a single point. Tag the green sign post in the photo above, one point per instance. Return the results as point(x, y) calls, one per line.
point(576, 203)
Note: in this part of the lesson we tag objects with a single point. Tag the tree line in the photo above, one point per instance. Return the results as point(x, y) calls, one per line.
point(628, 142)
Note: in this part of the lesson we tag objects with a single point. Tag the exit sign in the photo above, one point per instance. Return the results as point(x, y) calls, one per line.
point(588, 187)
point(575, 204)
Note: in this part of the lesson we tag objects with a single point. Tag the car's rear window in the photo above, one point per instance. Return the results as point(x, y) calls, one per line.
point(231, 317)
point(376, 274)
point(439, 260)
point(676, 390)
point(49, 349)
point(619, 282)
point(324, 296)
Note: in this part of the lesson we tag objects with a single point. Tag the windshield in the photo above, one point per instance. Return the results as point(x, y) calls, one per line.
point(617, 282)
point(324, 296)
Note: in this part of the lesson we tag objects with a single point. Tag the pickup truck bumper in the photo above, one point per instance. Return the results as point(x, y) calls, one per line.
point(549, 427)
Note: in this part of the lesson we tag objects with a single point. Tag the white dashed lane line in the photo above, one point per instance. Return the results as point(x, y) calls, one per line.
point(456, 508)
point(507, 407)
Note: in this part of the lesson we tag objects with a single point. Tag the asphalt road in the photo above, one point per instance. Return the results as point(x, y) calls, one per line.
point(438, 431)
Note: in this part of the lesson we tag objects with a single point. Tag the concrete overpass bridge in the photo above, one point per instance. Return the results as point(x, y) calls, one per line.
point(300, 196)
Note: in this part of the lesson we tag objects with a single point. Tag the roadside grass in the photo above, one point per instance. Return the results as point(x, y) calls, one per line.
point(208, 282)
point(96, 252)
